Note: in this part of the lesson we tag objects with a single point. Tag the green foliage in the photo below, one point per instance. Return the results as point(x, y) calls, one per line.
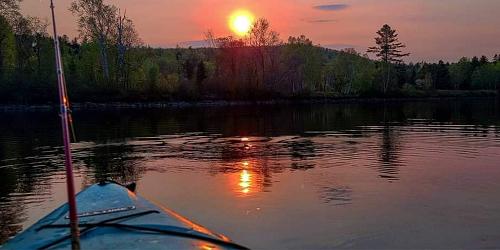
point(438, 75)
point(460, 73)
point(152, 76)
point(302, 63)
point(259, 67)
point(7, 53)
point(201, 73)
point(486, 77)
point(350, 74)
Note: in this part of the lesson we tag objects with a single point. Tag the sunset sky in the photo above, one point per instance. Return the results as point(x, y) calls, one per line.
point(432, 30)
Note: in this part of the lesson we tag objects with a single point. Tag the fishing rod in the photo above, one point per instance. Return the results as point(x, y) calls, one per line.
point(65, 119)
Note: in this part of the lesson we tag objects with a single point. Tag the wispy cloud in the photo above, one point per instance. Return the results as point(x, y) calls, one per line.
point(331, 7)
point(319, 20)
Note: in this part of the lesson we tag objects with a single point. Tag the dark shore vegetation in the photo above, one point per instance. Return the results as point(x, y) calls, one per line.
point(109, 63)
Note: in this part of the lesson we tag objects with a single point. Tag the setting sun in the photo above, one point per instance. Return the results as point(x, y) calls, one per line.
point(241, 22)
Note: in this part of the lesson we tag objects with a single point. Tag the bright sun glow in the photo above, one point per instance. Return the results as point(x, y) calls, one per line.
point(241, 22)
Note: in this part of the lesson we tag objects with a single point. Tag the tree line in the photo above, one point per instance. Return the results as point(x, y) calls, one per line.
point(108, 62)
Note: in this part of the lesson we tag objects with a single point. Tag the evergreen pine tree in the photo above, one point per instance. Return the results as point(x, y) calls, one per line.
point(388, 50)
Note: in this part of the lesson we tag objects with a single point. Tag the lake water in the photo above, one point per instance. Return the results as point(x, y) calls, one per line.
point(311, 176)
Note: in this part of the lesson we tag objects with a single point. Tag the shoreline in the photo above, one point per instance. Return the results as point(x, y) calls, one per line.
point(463, 95)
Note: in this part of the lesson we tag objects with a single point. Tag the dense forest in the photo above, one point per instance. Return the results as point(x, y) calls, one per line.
point(108, 62)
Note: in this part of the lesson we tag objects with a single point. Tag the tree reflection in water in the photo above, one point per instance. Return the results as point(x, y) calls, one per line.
point(389, 154)
point(279, 140)
point(112, 162)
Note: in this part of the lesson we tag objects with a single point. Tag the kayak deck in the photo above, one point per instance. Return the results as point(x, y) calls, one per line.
point(113, 217)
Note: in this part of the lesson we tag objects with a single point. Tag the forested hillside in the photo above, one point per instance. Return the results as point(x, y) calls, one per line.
point(110, 63)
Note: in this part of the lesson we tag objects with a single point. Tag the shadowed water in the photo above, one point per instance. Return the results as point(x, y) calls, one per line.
point(310, 176)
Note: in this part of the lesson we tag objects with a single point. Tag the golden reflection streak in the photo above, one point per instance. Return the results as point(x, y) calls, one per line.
point(245, 179)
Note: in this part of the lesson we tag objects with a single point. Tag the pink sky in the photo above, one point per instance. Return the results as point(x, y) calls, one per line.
point(432, 30)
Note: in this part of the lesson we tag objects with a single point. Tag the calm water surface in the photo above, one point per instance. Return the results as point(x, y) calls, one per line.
point(311, 176)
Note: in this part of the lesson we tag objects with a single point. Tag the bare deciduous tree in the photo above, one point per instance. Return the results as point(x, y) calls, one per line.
point(126, 38)
point(10, 10)
point(264, 41)
point(261, 34)
point(96, 21)
point(21, 25)
point(210, 39)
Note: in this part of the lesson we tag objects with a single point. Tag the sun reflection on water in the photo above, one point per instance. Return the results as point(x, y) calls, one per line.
point(245, 181)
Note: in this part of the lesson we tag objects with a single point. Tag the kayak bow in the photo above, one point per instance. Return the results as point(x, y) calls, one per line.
point(113, 217)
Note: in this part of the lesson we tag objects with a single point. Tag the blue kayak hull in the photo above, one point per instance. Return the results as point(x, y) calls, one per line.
point(112, 217)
